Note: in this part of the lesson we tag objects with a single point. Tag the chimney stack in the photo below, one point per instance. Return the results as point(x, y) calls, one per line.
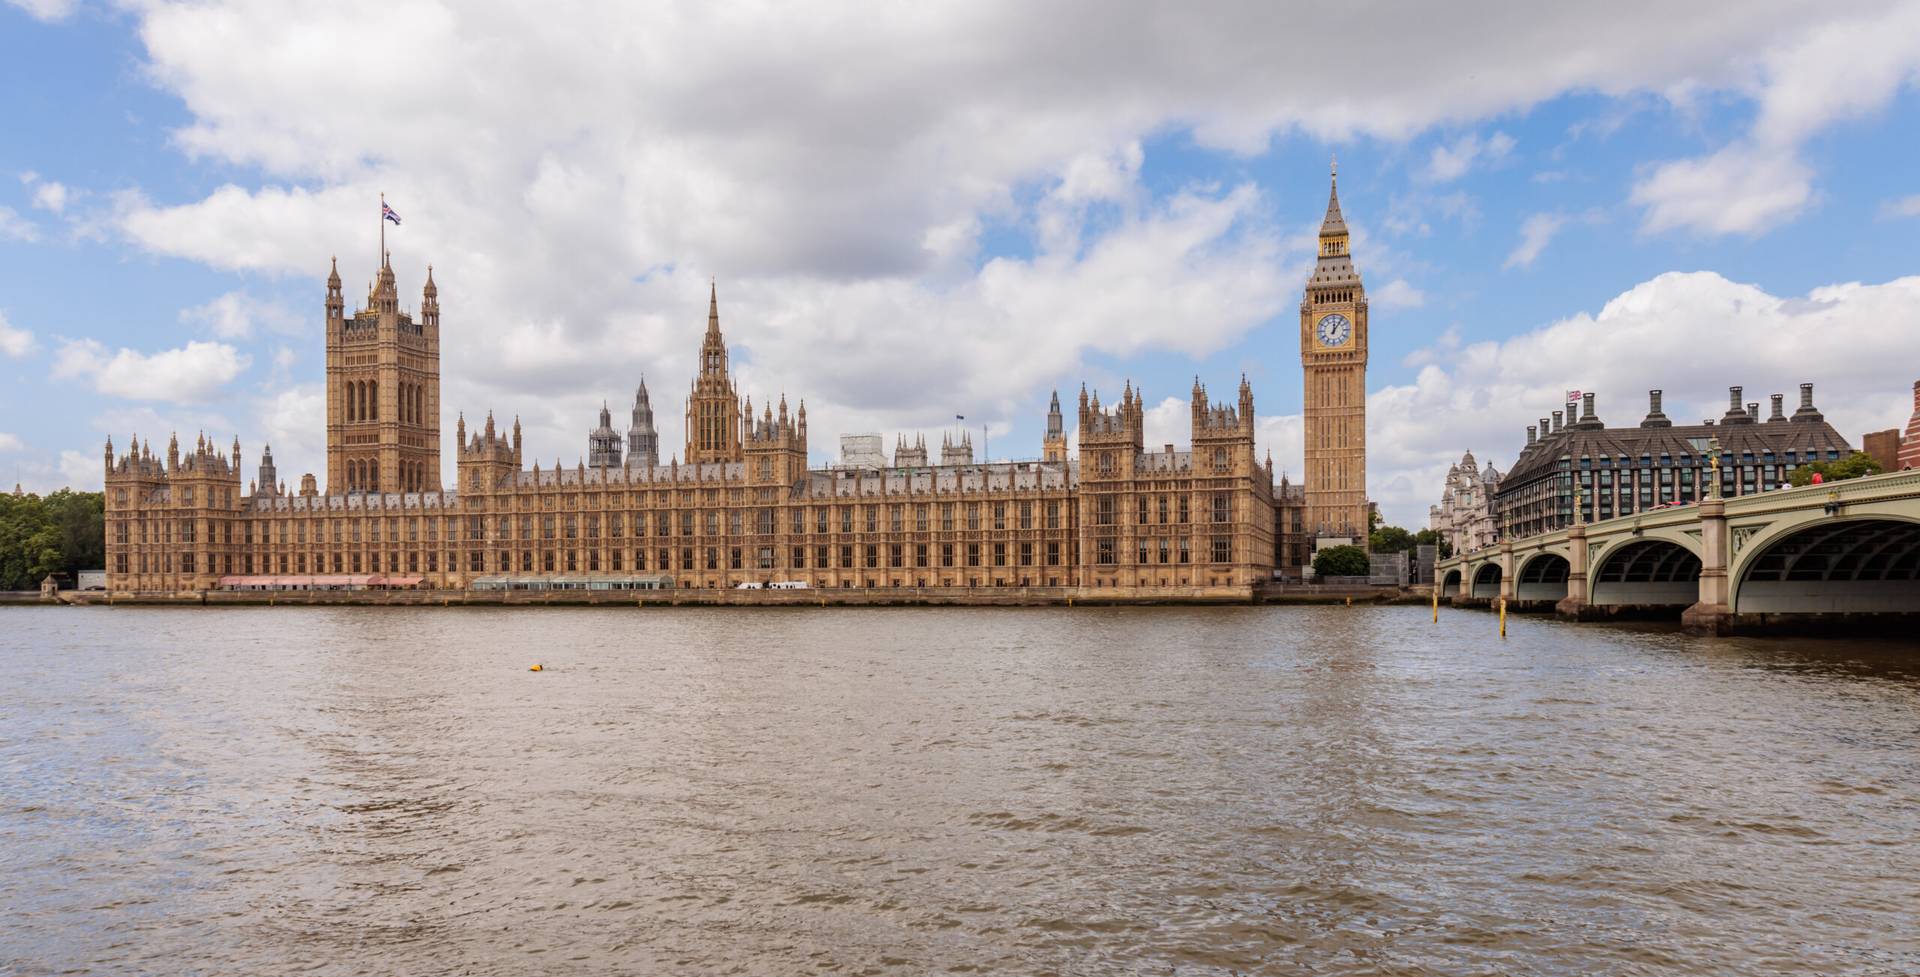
point(1556, 422)
point(1779, 412)
point(1807, 412)
point(1736, 411)
point(1586, 412)
point(1654, 416)
point(1753, 411)
point(1544, 430)
point(1531, 430)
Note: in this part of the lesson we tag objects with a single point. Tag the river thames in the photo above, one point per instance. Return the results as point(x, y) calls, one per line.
point(908, 791)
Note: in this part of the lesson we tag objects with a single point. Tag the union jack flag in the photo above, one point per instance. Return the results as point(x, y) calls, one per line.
point(387, 212)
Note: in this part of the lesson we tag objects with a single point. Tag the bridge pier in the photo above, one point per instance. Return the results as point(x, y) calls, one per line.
point(1713, 614)
point(1573, 607)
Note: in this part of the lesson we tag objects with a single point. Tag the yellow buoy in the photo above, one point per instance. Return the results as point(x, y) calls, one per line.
point(536, 668)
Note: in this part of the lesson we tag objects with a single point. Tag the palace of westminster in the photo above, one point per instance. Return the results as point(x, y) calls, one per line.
point(741, 504)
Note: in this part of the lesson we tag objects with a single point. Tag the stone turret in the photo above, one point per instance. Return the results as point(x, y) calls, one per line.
point(956, 451)
point(603, 443)
point(268, 477)
point(1054, 446)
point(910, 454)
point(643, 442)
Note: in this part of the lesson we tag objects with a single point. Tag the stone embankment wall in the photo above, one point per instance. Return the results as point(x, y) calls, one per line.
point(877, 596)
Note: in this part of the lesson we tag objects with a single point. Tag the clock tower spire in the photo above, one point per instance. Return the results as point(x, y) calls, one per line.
point(1333, 354)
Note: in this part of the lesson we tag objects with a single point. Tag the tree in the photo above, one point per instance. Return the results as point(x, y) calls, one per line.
point(1856, 465)
point(1432, 537)
point(61, 533)
point(1391, 539)
point(1341, 561)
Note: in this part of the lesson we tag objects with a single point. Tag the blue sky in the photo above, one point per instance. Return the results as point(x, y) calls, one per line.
point(932, 213)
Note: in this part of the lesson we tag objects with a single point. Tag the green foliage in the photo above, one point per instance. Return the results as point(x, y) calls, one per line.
point(1341, 561)
point(61, 533)
point(1855, 465)
point(1391, 539)
point(1432, 537)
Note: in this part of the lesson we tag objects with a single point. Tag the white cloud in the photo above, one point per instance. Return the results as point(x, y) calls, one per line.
point(1399, 294)
point(1483, 395)
point(1741, 189)
point(290, 423)
point(81, 472)
point(50, 196)
point(10, 442)
point(1832, 72)
point(1903, 207)
point(1535, 232)
point(190, 374)
point(14, 342)
point(235, 315)
point(47, 10)
point(14, 227)
point(838, 171)
point(1451, 161)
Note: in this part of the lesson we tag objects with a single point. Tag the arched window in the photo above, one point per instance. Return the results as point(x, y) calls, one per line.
point(373, 402)
point(373, 476)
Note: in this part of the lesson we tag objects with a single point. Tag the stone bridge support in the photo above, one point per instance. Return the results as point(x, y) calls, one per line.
point(1574, 605)
point(1712, 615)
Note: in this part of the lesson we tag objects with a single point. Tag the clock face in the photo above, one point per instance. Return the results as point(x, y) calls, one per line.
point(1334, 330)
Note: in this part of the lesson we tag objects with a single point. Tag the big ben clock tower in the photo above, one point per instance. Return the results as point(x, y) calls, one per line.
point(1333, 352)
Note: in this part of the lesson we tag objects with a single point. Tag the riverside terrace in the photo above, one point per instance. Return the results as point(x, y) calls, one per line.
point(1840, 552)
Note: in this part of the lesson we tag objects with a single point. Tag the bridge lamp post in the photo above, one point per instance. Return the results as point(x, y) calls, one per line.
point(1711, 446)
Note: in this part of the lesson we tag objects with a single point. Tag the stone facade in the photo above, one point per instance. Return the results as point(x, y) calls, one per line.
point(1883, 447)
point(1617, 471)
point(1464, 517)
point(742, 508)
point(1909, 456)
point(383, 390)
point(1333, 354)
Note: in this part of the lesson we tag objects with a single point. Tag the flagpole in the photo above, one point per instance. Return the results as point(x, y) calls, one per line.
point(382, 263)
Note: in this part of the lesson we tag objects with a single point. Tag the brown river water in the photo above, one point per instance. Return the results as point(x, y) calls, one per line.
point(918, 791)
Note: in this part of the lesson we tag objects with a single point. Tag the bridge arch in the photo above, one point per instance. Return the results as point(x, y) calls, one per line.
point(1646, 571)
point(1862, 565)
point(1486, 580)
point(1450, 584)
point(1542, 577)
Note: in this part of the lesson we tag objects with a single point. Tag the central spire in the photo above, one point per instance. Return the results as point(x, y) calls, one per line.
point(713, 308)
point(1334, 223)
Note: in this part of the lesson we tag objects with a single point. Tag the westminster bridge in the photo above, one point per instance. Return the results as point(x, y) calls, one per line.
point(1818, 553)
